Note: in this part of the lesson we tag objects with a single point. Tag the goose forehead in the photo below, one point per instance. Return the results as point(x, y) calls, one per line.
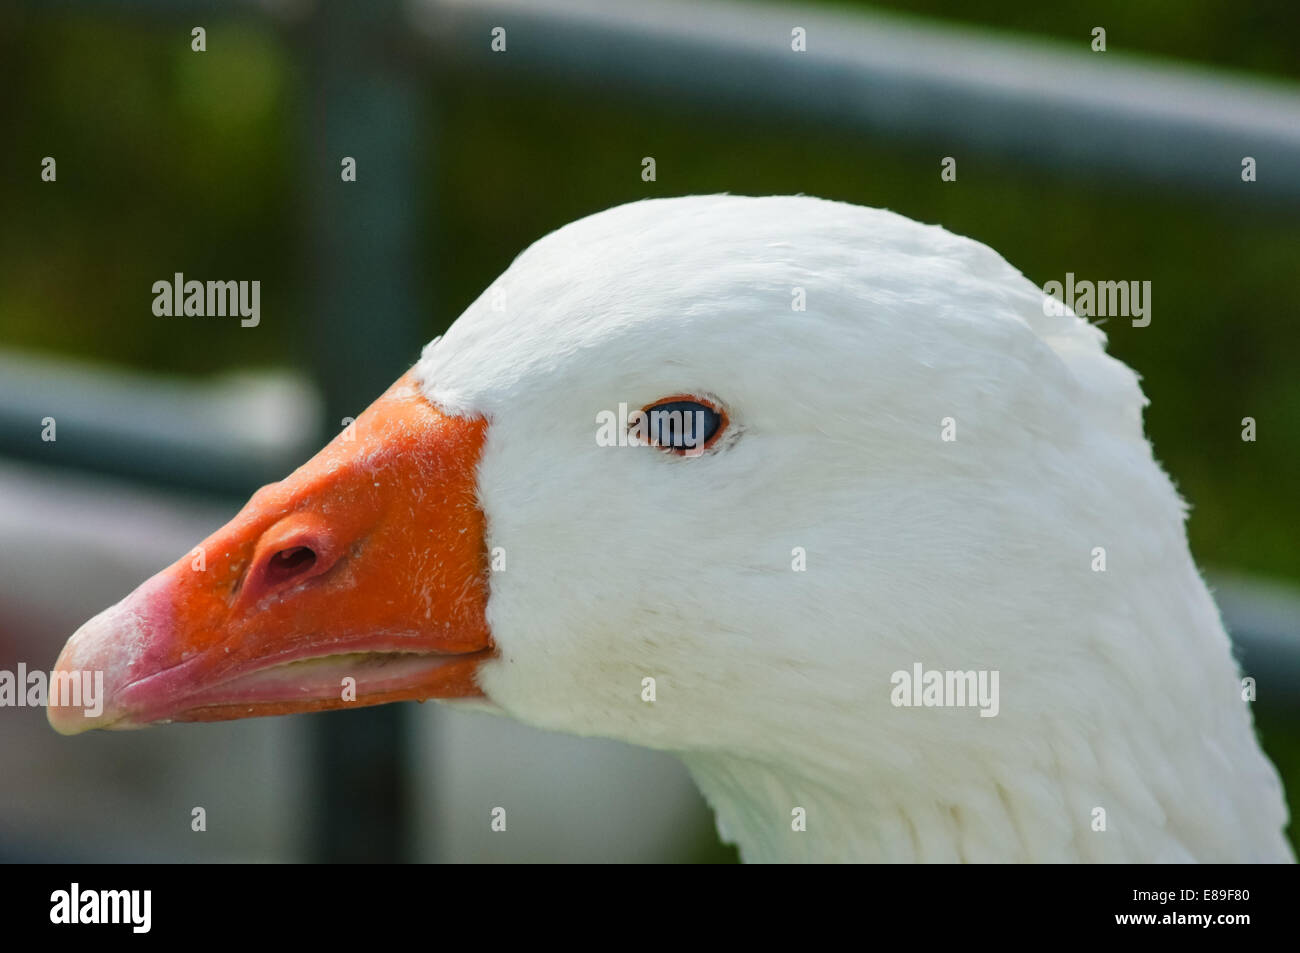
point(699, 293)
point(705, 282)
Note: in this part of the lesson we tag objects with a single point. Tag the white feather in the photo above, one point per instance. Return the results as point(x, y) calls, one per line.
point(1118, 689)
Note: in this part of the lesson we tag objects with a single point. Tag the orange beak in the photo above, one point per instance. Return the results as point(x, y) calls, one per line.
point(360, 579)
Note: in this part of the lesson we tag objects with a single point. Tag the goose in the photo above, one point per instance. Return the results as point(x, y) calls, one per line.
point(874, 459)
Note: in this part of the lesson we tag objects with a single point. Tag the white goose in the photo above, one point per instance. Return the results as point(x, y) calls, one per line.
point(472, 539)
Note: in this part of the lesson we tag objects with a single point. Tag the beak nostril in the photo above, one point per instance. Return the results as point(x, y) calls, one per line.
point(288, 554)
point(288, 563)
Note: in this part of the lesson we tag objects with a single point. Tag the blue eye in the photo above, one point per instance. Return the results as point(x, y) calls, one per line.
point(684, 425)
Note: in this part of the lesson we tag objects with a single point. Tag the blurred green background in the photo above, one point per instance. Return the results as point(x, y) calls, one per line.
point(196, 161)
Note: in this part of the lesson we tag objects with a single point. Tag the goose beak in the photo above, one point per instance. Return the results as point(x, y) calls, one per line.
point(358, 580)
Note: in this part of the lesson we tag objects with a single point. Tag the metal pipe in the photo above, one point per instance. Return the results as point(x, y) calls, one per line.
point(1047, 103)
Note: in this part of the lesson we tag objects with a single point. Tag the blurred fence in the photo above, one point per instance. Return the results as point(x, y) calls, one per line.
point(1061, 107)
point(1047, 103)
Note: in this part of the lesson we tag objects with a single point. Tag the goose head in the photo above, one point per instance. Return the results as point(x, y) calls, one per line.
point(889, 457)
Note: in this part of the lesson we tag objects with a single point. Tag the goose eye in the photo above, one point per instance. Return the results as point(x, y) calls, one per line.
point(684, 425)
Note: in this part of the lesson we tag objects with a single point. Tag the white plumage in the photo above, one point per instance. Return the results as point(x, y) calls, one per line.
point(1118, 690)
